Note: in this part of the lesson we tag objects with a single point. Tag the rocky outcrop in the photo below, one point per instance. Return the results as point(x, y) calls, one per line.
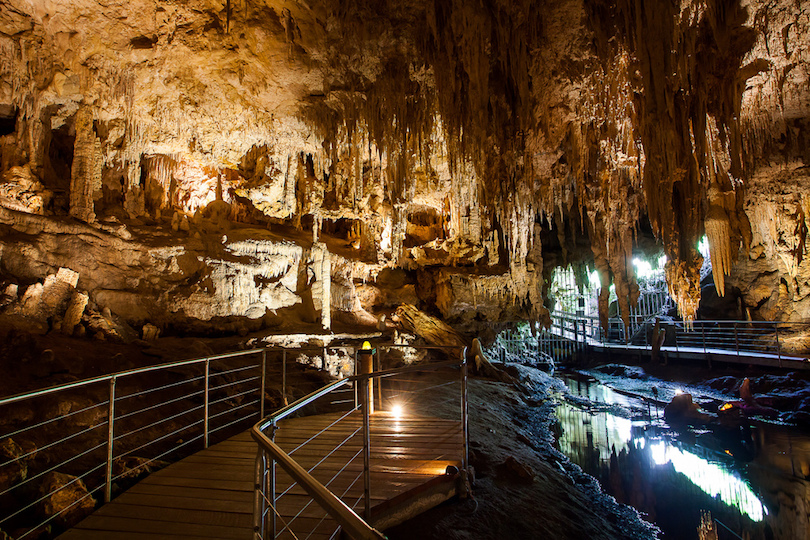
point(447, 142)
point(64, 497)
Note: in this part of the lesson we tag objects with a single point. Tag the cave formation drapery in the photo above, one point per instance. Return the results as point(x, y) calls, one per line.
point(248, 159)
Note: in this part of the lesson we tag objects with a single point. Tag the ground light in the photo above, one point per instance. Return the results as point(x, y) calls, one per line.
point(396, 411)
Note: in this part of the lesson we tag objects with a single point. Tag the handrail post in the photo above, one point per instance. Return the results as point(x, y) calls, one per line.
point(205, 406)
point(356, 382)
point(379, 381)
point(465, 432)
point(110, 438)
point(284, 376)
point(366, 357)
point(736, 339)
point(703, 336)
point(539, 337)
point(259, 501)
point(271, 483)
point(778, 346)
point(264, 382)
point(364, 391)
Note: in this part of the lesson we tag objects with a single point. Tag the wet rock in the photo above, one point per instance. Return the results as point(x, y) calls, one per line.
point(519, 471)
point(726, 383)
point(199, 349)
point(150, 332)
point(66, 497)
point(630, 372)
point(106, 326)
point(20, 345)
point(77, 410)
point(21, 190)
point(682, 410)
point(73, 314)
point(135, 467)
point(12, 472)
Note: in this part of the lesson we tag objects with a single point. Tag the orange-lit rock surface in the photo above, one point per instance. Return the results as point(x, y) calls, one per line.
point(240, 165)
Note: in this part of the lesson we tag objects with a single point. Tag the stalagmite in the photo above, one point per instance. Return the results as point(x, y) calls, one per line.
point(85, 176)
point(322, 284)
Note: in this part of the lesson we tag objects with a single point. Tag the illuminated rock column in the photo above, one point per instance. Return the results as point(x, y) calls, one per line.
point(322, 286)
point(85, 177)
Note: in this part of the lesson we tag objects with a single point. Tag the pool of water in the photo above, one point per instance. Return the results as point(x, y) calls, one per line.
point(754, 480)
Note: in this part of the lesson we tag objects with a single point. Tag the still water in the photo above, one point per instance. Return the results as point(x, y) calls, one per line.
point(755, 481)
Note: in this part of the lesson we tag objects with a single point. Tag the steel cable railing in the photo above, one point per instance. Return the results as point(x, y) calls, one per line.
point(103, 432)
point(329, 468)
point(773, 340)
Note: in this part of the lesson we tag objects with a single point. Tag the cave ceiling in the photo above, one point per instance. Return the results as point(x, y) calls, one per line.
point(477, 142)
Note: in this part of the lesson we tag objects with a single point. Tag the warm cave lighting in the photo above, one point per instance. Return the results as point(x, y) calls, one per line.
point(396, 411)
point(678, 391)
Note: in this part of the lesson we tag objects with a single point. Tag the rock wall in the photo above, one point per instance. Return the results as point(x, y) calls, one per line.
point(225, 159)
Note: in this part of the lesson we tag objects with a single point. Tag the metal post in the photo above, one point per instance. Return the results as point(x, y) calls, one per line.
point(465, 458)
point(366, 357)
point(539, 337)
point(284, 376)
point(264, 377)
point(778, 347)
point(355, 383)
point(364, 390)
point(736, 340)
point(205, 407)
point(675, 335)
point(703, 336)
point(259, 502)
point(379, 381)
point(110, 438)
point(271, 482)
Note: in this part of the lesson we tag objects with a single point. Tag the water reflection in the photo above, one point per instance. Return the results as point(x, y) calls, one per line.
point(754, 481)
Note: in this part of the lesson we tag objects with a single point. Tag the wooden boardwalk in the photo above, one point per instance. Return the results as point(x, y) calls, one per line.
point(210, 494)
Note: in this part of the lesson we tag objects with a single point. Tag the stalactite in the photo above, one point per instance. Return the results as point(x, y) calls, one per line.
point(688, 105)
point(719, 234)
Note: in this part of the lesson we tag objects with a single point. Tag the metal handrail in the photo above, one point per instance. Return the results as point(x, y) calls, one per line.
point(355, 526)
point(100, 437)
point(120, 374)
point(571, 332)
point(348, 519)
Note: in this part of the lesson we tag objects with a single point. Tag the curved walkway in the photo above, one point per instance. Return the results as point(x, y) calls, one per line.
point(210, 494)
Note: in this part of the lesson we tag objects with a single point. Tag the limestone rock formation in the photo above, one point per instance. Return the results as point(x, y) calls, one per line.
point(217, 166)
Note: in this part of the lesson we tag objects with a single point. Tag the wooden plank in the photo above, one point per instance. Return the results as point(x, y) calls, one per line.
point(160, 513)
point(89, 534)
point(142, 524)
point(206, 483)
point(146, 488)
point(210, 505)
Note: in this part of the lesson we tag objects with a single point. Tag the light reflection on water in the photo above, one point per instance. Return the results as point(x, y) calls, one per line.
point(671, 476)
